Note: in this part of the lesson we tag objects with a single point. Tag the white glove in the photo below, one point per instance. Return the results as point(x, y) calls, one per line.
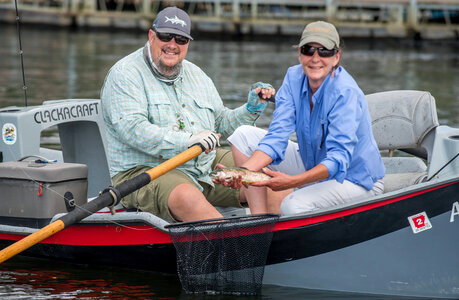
point(206, 139)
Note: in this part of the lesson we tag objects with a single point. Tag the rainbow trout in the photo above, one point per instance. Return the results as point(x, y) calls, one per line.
point(247, 176)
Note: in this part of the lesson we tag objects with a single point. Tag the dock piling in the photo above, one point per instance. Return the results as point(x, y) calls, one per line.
point(395, 18)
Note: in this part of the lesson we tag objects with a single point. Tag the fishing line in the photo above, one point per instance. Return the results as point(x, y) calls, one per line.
point(24, 86)
point(21, 52)
point(76, 205)
point(27, 175)
point(450, 161)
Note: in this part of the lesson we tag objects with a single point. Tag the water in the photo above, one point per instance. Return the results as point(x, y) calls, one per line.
point(64, 64)
point(24, 278)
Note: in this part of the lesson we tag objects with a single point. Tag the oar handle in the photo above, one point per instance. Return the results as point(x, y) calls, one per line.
point(105, 199)
point(31, 240)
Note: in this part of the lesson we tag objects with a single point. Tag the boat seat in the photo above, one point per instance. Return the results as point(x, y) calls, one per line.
point(403, 172)
point(404, 165)
point(393, 182)
point(404, 120)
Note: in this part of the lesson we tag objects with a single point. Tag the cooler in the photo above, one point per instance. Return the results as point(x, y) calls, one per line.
point(32, 192)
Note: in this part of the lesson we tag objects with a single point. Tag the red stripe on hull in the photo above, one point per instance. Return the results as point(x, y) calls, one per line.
point(116, 235)
point(103, 235)
point(322, 218)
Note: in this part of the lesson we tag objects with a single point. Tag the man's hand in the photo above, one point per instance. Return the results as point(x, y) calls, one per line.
point(255, 103)
point(206, 139)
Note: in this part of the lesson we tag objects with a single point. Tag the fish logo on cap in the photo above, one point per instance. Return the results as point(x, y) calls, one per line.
point(175, 20)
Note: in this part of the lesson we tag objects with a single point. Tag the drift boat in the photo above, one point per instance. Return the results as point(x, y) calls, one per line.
point(403, 242)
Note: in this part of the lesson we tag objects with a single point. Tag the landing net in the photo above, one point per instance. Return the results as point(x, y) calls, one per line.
point(223, 256)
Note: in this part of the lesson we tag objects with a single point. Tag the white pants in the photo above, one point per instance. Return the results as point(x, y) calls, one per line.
point(308, 197)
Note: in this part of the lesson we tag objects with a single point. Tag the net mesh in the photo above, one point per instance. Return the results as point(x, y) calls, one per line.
point(223, 256)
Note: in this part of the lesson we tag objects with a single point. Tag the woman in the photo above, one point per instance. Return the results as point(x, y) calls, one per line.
point(336, 159)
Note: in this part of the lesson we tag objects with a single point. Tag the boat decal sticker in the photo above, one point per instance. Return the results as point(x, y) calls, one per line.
point(454, 211)
point(9, 133)
point(66, 113)
point(419, 222)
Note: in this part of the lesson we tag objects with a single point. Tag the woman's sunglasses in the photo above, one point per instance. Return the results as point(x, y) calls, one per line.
point(322, 51)
point(167, 37)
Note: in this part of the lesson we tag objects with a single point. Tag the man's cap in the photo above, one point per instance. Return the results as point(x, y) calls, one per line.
point(173, 20)
point(322, 33)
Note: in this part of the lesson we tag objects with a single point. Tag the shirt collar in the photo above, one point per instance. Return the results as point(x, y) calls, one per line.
point(319, 93)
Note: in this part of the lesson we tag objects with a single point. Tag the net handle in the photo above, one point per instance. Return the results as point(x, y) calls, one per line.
point(219, 219)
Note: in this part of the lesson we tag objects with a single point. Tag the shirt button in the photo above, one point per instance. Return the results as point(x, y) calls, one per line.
point(183, 105)
point(192, 123)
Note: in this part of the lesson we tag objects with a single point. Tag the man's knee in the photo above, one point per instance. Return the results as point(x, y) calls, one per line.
point(184, 195)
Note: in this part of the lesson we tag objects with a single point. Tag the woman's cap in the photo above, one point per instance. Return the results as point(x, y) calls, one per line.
point(322, 33)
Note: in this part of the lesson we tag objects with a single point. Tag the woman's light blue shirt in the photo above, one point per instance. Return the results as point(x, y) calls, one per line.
point(336, 133)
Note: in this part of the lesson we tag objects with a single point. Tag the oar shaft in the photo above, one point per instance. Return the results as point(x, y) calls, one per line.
point(105, 199)
point(31, 240)
point(174, 162)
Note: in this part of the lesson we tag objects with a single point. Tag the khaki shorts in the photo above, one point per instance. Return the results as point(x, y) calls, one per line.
point(154, 196)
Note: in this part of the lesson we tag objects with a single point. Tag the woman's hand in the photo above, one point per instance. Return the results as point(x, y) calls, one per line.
point(279, 181)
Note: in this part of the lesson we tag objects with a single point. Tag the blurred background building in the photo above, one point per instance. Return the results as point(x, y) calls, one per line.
point(426, 19)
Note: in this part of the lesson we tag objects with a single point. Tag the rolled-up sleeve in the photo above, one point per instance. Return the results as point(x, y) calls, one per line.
point(282, 126)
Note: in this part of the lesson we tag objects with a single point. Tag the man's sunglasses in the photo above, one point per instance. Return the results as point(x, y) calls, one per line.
point(322, 51)
point(167, 37)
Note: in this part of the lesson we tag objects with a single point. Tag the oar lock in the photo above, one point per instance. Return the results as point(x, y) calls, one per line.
point(116, 196)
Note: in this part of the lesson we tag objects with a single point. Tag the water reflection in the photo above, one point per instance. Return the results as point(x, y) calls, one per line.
point(25, 278)
point(72, 64)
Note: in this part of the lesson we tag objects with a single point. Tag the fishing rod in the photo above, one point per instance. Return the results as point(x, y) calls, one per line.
point(24, 87)
point(450, 161)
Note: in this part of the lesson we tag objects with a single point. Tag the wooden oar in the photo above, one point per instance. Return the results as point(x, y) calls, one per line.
point(109, 197)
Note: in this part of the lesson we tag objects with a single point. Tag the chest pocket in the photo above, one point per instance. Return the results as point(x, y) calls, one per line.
point(204, 115)
point(161, 112)
point(322, 133)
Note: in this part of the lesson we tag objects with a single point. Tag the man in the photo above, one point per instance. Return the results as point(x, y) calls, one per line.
point(156, 104)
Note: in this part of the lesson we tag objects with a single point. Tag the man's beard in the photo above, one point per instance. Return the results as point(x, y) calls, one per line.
point(167, 71)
